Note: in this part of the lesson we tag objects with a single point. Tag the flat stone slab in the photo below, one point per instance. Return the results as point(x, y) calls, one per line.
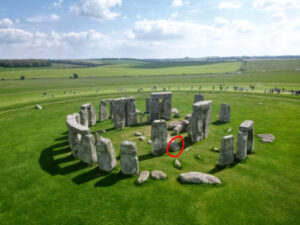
point(39, 107)
point(142, 138)
point(198, 178)
point(138, 134)
point(158, 175)
point(144, 175)
point(266, 138)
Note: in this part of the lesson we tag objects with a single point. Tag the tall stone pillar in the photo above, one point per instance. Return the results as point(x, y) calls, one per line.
point(159, 137)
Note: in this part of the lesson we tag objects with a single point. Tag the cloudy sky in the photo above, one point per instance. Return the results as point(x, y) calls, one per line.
point(148, 28)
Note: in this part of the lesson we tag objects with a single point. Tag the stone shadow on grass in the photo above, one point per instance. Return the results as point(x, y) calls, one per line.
point(111, 179)
point(219, 168)
point(52, 166)
point(89, 175)
point(218, 122)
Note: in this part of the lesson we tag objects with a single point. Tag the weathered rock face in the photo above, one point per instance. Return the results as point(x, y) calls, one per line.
point(173, 147)
point(188, 116)
point(141, 118)
point(75, 130)
point(175, 112)
point(119, 114)
point(247, 127)
point(224, 114)
point(198, 178)
point(266, 138)
point(147, 102)
point(84, 116)
point(92, 115)
point(106, 154)
point(131, 119)
point(124, 112)
point(159, 137)
point(144, 175)
point(142, 138)
point(110, 109)
point(200, 120)
point(103, 111)
point(241, 151)
point(39, 107)
point(87, 149)
point(158, 175)
point(226, 154)
point(198, 98)
point(128, 158)
point(177, 164)
point(160, 110)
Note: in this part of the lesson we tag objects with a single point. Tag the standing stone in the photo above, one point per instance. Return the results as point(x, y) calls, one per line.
point(198, 98)
point(131, 119)
point(87, 150)
point(160, 110)
point(92, 115)
point(159, 137)
point(119, 117)
point(102, 111)
point(227, 147)
point(200, 120)
point(224, 114)
point(128, 158)
point(84, 117)
point(141, 118)
point(167, 107)
point(147, 102)
point(110, 109)
point(241, 151)
point(247, 127)
point(106, 154)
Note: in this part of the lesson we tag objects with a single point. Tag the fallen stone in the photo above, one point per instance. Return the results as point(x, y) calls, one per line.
point(144, 175)
point(266, 138)
point(188, 116)
point(149, 142)
point(198, 157)
point(172, 125)
point(198, 178)
point(39, 107)
point(101, 131)
point(215, 149)
point(177, 164)
point(138, 134)
point(175, 112)
point(142, 138)
point(173, 147)
point(158, 175)
point(229, 130)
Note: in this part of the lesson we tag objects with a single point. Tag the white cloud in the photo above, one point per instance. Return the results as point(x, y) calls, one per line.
point(138, 16)
point(221, 21)
point(279, 16)
point(276, 4)
point(54, 17)
point(179, 3)
point(229, 5)
point(43, 18)
point(124, 17)
point(174, 15)
point(5, 22)
point(97, 9)
point(57, 3)
point(243, 26)
point(13, 35)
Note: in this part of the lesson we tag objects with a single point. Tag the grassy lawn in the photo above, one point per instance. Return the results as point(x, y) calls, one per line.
point(122, 69)
point(45, 185)
point(41, 183)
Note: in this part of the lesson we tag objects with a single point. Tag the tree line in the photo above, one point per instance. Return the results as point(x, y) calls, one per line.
point(25, 63)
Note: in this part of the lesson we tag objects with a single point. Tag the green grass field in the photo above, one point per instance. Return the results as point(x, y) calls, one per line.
point(41, 183)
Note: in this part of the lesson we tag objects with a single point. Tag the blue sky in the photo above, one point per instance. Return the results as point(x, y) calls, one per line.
point(148, 28)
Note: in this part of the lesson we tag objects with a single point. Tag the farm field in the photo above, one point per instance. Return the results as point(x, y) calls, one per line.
point(43, 184)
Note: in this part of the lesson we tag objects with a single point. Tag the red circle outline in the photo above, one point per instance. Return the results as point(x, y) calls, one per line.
point(175, 156)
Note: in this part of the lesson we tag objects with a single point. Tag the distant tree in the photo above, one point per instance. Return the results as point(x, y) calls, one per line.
point(75, 75)
point(22, 77)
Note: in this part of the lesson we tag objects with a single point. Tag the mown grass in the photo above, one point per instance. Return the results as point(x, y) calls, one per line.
point(121, 69)
point(272, 65)
point(43, 184)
